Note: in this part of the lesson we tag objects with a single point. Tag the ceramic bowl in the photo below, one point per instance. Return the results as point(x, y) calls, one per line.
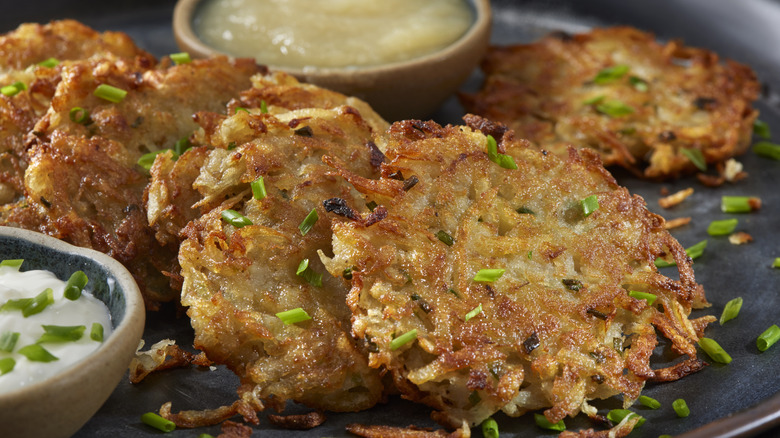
point(402, 90)
point(60, 405)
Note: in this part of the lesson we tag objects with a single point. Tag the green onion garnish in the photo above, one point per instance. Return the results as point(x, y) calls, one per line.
point(714, 350)
point(308, 274)
point(490, 428)
point(96, 332)
point(474, 398)
point(205, 435)
point(593, 100)
point(444, 237)
point(505, 161)
point(544, 423)
point(39, 302)
point(696, 157)
point(13, 89)
point(610, 74)
point(737, 204)
point(8, 341)
point(681, 408)
point(54, 334)
point(649, 402)
point(13, 263)
point(147, 160)
point(768, 338)
point(767, 150)
point(761, 129)
point(525, 210)
point(489, 275)
point(639, 84)
point(18, 304)
point(182, 145)
point(241, 108)
point(36, 353)
point(617, 415)
point(665, 436)
point(589, 205)
point(258, 188)
point(722, 227)
point(614, 108)
point(263, 107)
point(75, 285)
point(474, 312)
point(49, 63)
point(308, 222)
point(731, 310)
point(158, 422)
point(405, 338)
point(643, 296)
point(694, 252)
point(78, 114)
point(181, 58)
point(235, 218)
point(7, 365)
point(776, 262)
point(572, 284)
point(292, 316)
point(110, 93)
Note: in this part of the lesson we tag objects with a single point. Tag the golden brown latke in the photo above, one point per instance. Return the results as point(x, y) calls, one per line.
point(659, 100)
point(558, 328)
point(236, 279)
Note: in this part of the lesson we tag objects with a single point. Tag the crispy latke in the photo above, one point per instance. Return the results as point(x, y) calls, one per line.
point(658, 100)
point(236, 279)
point(558, 328)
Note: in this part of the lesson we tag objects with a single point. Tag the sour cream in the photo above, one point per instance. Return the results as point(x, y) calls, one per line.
point(63, 312)
point(331, 33)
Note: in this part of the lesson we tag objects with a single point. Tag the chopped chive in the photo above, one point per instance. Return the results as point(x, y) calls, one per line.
point(617, 415)
point(649, 402)
point(182, 145)
point(714, 350)
point(696, 157)
point(610, 74)
point(241, 108)
point(405, 338)
point(75, 285)
point(639, 84)
point(593, 100)
point(205, 435)
point(7, 365)
point(492, 147)
point(768, 338)
point(232, 145)
point(444, 237)
point(147, 160)
point(572, 284)
point(371, 205)
point(12, 263)
point(454, 292)
point(489, 275)
point(235, 218)
point(263, 107)
point(49, 63)
point(776, 263)
point(490, 428)
point(8, 341)
point(181, 58)
point(731, 310)
point(36, 353)
point(158, 422)
point(17, 304)
point(258, 188)
point(525, 210)
point(474, 398)
point(767, 150)
point(650, 298)
point(61, 333)
point(96, 332)
point(761, 129)
point(544, 423)
point(665, 436)
point(505, 161)
point(347, 273)
point(39, 302)
point(13, 89)
point(474, 312)
point(693, 251)
point(110, 93)
point(308, 274)
point(614, 108)
point(79, 115)
point(308, 222)
point(681, 408)
point(589, 205)
point(293, 315)
point(722, 227)
point(738, 204)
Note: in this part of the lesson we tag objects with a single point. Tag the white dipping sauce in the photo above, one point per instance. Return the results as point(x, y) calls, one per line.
point(331, 33)
point(64, 312)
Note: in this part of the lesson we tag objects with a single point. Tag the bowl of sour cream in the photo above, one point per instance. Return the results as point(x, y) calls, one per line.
point(70, 321)
point(404, 57)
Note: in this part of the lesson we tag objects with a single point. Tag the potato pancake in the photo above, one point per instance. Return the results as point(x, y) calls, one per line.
point(504, 284)
point(660, 110)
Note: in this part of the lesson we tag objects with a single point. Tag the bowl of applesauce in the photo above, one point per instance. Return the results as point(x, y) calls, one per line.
point(403, 57)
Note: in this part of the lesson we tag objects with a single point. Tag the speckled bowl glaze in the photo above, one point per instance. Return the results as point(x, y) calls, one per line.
point(410, 89)
point(59, 406)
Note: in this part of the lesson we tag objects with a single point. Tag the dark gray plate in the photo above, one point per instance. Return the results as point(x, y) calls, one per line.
point(740, 399)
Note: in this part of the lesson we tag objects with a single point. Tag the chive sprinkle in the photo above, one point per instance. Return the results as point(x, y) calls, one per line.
point(79, 115)
point(490, 428)
point(593, 100)
point(618, 415)
point(308, 222)
point(263, 107)
point(776, 263)
point(737, 204)
point(110, 93)
point(610, 74)
point(241, 108)
point(75, 285)
point(650, 298)
point(205, 435)
point(649, 402)
point(57, 334)
point(696, 157)
point(235, 218)
point(293, 315)
point(405, 338)
point(474, 312)
point(503, 160)
point(7, 365)
point(768, 338)
point(767, 150)
point(8, 341)
point(49, 63)
point(96, 332)
point(147, 160)
point(694, 252)
point(18, 304)
point(181, 58)
point(589, 205)
point(544, 423)
point(36, 353)
point(12, 263)
point(258, 188)
point(158, 422)
point(614, 108)
point(681, 408)
point(722, 227)
point(761, 129)
point(182, 145)
point(444, 237)
point(39, 302)
point(714, 350)
point(489, 275)
point(731, 310)
point(308, 274)
point(639, 84)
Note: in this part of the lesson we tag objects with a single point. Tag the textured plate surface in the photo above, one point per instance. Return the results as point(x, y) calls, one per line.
point(740, 399)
